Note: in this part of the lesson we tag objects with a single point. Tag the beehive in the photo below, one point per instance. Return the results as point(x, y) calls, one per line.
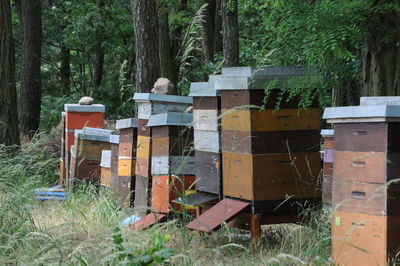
point(149, 104)
point(172, 163)
point(207, 139)
point(105, 163)
point(86, 153)
point(366, 195)
point(267, 153)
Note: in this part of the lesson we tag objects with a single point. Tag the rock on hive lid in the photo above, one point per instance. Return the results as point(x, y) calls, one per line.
point(170, 119)
point(127, 123)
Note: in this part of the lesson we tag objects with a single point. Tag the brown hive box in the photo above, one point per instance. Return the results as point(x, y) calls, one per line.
point(362, 239)
point(271, 176)
point(208, 172)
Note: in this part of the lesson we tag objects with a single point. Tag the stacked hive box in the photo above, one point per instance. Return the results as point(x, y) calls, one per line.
point(105, 176)
point(86, 153)
point(63, 171)
point(329, 151)
point(366, 198)
point(149, 104)
point(206, 112)
point(127, 159)
point(172, 163)
point(77, 117)
point(267, 154)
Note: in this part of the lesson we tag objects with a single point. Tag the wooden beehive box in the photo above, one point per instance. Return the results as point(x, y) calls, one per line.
point(329, 152)
point(172, 159)
point(268, 153)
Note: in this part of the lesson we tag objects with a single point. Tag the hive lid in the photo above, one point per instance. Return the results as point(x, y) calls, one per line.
point(146, 97)
point(105, 159)
point(203, 89)
point(114, 139)
point(170, 119)
point(95, 134)
point(363, 113)
point(97, 131)
point(327, 132)
point(127, 123)
point(94, 108)
point(249, 78)
point(390, 100)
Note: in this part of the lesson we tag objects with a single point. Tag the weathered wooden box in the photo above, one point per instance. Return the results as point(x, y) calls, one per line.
point(105, 163)
point(208, 172)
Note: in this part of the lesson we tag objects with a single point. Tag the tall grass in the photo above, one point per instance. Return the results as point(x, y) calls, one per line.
point(82, 230)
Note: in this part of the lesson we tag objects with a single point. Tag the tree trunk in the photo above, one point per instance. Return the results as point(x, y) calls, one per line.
point(218, 27)
point(98, 66)
point(30, 98)
point(381, 55)
point(166, 65)
point(230, 33)
point(145, 22)
point(9, 132)
point(207, 31)
point(65, 70)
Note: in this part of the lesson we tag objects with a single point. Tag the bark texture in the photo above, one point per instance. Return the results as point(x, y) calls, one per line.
point(65, 70)
point(381, 56)
point(98, 65)
point(230, 33)
point(208, 31)
point(145, 22)
point(166, 64)
point(9, 132)
point(31, 93)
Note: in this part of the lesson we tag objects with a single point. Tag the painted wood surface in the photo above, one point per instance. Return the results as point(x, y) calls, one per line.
point(127, 149)
point(166, 165)
point(128, 135)
point(329, 143)
point(90, 149)
point(273, 176)
point(368, 198)
point(123, 190)
point(105, 179)
point(78, 120)
point(372, 167)
point(146, 109)
point(147, 221)
point(209, 172)
point(378, 137)
point(143, 130)
point(327, 190)
point(142, 193)
point(205, 120)
point(207, 103)
point(143, 149)
point(143, 167)
point(270, 120)
point(167, 188)
point(327, 169)
point(168, 146)
point(270, 142)
point(207, 141)
point(329, 155)
point(126, 167)
point(362, 239)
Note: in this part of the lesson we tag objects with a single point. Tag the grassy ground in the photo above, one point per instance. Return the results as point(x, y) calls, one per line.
point(84, 229)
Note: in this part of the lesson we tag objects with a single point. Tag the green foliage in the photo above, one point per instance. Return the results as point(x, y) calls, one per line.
point(156, 253)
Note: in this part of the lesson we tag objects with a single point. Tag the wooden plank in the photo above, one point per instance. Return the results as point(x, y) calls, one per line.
point(372, 167)
point(205, 120)
point(362, 239)
point(105, 179)
point(270, 120)
point(223, 211)
point(327, 169)
point(128, 135)
point(143, 130)
point(168, 146)
point(271, 176)
point(143, 167)
point(143, 149)
point(127, 149)
point(123, 190)
point(209, 172)
point(207, 103)
point(327, 190)
point(147, 221)
point(180, 165)
point(207, 141)
point(270, 142)
point(79, 120)
point(142, 193)
point(368, 198)
point(126, 167)
point(329, 143)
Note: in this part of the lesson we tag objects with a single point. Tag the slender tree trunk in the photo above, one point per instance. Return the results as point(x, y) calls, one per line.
point(166, 65)
point(65, 70)
point(381, 55)
point(230, 33)
point(208, 31)
point(218, 27)
point(9, 132)
point(145, 22)
point(31, 93)
point(98, 66)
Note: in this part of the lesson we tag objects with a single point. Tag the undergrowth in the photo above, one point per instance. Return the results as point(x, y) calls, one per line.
point(84, 230)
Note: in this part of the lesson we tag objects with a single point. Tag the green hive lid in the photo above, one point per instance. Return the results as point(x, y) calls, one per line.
point(146, 97)
point(94, 108)
point(170, 119)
